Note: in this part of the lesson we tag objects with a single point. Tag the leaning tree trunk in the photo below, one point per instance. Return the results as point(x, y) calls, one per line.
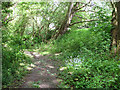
point(66, 22)
point(115, 45)
point(72, 9)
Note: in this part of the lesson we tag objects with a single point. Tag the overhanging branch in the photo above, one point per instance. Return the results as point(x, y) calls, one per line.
point(80, 17)
point(83, 6)
point(88, 5)
point(86, 11)
point(81, 22)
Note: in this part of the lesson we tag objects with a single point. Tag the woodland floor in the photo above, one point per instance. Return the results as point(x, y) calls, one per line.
point(43, 73)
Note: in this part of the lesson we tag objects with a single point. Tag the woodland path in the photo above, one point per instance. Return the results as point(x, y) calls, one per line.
point(43, 74)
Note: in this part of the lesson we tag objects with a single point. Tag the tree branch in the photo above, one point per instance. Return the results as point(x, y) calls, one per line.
point(82, 22)
point(83, 6)
point(86, 11)
point(88, 5)
point(80, 17)
point(112, 4)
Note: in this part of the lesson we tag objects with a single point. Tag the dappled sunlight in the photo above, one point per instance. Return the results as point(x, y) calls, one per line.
point(37, 62)
point(28, 54)
point(32, 65)
point(41, 69)
point(50, 66)
point(57, 54)
point(72, 41)
point(29, 68)
point(63, 68)
point(36, 54)
point(22, 64)
point(85, 29)
point(44, 85)
point(70, 73)
point(45, 53)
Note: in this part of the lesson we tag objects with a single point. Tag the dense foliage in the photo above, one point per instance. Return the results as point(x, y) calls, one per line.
point(84, 48)
point(88, 64)
point(12, 52)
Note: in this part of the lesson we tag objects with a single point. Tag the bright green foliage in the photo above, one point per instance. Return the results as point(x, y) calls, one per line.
point(92, 73)
point(11, 58)
point(12, 49)
point(85, 52)
point(88, 60)
point(83, 41)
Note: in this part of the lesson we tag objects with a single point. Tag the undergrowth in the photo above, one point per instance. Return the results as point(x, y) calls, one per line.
point(14, 61)
point(88, 63)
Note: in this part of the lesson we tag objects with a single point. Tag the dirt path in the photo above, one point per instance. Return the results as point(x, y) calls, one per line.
point(43, 74)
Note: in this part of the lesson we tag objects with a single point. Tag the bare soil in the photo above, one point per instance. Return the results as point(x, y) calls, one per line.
point(43, 73)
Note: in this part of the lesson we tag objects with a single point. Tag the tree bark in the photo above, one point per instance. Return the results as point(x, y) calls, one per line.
point(118, 26)
point(72, 9)
point(115, 43)
point(67, 21)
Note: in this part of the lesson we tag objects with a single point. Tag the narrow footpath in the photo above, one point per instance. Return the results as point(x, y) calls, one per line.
point(43, 73)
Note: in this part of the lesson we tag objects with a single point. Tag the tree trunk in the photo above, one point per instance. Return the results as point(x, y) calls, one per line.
point(115, 45)
point(118, 26)
point(72, 9)
point(67, 21)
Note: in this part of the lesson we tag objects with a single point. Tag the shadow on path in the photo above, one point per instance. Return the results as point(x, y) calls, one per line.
point(43, 74)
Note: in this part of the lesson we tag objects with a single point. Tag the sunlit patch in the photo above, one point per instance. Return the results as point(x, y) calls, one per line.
point(44, 53)
point(44, 86)
point(22, 64)
point(76, 79)
point(32, 65)
point(70, 73)
point(5, 45)
point(50, 66)
point(17, 72)
point(28, 68)
point(85, 29)
point(28, 54)
point(35, 50)
point(63, 68)
point(38, 62)
point(36, 54)
point(57, 54)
